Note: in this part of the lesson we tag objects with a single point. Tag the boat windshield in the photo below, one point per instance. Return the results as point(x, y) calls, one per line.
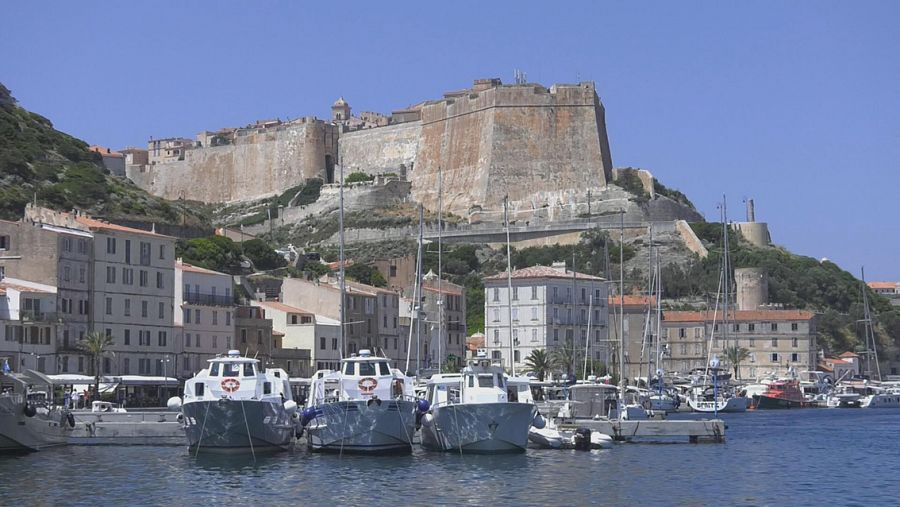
point(486, 380)
point(385, 368)
point(248, 370)
point(367, 369)
point(231, 369)
point(214, 370)
point(348, 368)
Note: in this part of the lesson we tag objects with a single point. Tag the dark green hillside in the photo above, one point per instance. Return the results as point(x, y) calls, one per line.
point(38, 161)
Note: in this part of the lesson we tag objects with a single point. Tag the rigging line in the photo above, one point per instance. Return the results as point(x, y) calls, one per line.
point(456, 424)
point(247, 425)
point(202, 430)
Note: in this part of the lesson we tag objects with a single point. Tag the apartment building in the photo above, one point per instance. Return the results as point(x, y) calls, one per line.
point(28, 322)
point(314, 338)
point(550, 308)
point(640, 334)
point(204, 316)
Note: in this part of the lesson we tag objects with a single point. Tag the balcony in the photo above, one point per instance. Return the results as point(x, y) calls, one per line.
point(194, 298)
point(32, 316)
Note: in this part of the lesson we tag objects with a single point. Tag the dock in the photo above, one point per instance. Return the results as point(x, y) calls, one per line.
point(127, 428)
point(702, 430)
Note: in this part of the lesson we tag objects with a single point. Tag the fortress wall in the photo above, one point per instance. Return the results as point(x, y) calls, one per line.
point(380, 150)
point(515, 140)
point(256, 165)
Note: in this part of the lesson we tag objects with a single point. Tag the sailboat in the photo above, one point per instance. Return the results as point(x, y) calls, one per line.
point(880, 396)
point(364, 407)
point(708, 392)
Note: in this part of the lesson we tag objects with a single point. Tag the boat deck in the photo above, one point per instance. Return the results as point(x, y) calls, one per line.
point(703, 430)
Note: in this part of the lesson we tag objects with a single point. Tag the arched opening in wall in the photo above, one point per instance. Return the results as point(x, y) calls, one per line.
point(329, 169)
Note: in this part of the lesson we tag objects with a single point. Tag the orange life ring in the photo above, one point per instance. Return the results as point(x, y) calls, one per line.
point(230, 385)
point(367, 385)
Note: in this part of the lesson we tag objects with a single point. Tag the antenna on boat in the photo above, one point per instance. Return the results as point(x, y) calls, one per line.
point(440, 296)
point(621, 313)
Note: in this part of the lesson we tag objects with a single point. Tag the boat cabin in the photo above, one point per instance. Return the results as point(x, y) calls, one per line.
point(479, 382)
point(237, 377)
point(361, 377)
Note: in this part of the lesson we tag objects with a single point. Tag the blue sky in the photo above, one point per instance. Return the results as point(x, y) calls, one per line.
point(795, 104)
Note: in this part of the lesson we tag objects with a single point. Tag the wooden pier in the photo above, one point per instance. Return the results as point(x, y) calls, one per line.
point(127, 428)
point(702, 430)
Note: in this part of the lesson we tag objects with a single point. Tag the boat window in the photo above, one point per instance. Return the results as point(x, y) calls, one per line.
point(267, 388)
point(384, 367)
point(214, 370)
point(500, 380)
point(198, 388)
point(248, 370)
point(231, 369)
point(430, 394)
point(486, 380)
point(367, 368)
point(348, 368)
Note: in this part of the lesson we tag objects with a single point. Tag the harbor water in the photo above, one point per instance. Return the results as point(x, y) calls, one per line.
point(790, 457)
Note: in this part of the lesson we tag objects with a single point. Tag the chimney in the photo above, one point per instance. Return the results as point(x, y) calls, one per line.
point(751, 214)
point(559, 266)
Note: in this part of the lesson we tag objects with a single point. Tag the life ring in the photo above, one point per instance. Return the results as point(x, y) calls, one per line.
point(367, 385)
point(230, 385)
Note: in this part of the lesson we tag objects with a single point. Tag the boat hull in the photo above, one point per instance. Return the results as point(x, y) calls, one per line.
point(764, 402)
point(20, 433)
point(480, 428)
point(363, 427)
point(734, 404)
point(237, 426)
point(881, 401)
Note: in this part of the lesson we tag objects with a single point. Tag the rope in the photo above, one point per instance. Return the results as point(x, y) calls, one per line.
point(249, 436)
point(405, 431)
point(202, 429)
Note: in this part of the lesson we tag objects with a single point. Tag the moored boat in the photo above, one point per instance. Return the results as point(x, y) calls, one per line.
point(29, 421)
point(784, 393)
point(366, 407)
point(234, 406)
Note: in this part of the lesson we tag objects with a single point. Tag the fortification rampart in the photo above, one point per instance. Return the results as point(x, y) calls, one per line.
point(257, 164)
point(510, 140)
point(380, 150)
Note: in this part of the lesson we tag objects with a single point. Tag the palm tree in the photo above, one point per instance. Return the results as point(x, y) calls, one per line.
point(565, 358)
point(539, 363)
point(96, 344)
point(736, 355)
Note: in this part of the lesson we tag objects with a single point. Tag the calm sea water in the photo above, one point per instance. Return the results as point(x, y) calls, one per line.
point(783, 458)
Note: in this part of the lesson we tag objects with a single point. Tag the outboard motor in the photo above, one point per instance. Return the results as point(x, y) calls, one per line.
point(309, 413)
point(582, 439)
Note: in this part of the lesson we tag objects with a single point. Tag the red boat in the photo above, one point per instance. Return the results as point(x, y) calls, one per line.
point(781, 394)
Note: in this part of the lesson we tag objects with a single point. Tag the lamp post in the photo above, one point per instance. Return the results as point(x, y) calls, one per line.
point(165, 363)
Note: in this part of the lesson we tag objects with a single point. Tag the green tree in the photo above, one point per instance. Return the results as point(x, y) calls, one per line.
point(96, 345)
point(736, 355)
point(538, 362)
point(358, 177)
point(566, 358)
point(262, 255)
point(213, 252)
point(364, 273)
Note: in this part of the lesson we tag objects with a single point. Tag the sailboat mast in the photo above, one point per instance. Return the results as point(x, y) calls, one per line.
point(415, 294)
point(440, 298)
point(621, 313)
point(341, 250)
point(418, 306)
point(512, 364)
point(869, 330)
point(726, 285)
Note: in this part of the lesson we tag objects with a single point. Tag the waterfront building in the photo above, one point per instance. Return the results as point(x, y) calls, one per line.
point(312, 338)
point(638, 353)
point(777, 340)
point(253, 333)
point(28, 322)
point(204, 316)
point(437, 293)
point(551, 307)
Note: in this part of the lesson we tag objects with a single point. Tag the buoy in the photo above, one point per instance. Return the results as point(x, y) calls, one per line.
point(29, 411)
point(70, 419)
point(174, 403)
point(539, 422)
point(427, 420)
point(290, 406)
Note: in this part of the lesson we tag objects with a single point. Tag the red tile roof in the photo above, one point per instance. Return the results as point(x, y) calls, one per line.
point(106, 152)
point(632, 300)
point(282, 307)
point(95, 224)
point(543, 272)
point(197, 269)
point(848, 354)
point(475, 342)
point(883, 285)
point(738, 315)
point(22, 288)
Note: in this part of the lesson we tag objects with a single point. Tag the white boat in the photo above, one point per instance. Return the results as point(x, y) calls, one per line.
point(29, 421)
point(367, 407)
point(551, 437)
point(720, 404)
point(234, 406)
point(881, 397)
point(478, 411)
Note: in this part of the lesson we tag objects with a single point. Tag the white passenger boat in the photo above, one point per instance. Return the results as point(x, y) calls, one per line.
point(478, 411)
point(367, 407)
point(881, 397)
point(29, 421)
point(234, 406)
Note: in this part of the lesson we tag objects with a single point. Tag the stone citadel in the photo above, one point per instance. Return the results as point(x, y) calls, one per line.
point(535, 144)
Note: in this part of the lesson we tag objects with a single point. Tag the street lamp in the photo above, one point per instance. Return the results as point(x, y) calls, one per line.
point(165, 363)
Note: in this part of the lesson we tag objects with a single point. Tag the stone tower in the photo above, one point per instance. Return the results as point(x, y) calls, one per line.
point(752, 288)
point(340, 110)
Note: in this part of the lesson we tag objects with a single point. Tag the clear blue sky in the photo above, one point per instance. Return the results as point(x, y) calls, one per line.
point(796, 104)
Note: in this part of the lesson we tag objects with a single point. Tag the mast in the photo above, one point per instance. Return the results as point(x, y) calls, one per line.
point(659, 293)
point(440, 298)
point(726, 285)
point(341, 236)
point(870, 332)
point(621, 314)
point(416, 290)
point(587, 342)
point(512, 364)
